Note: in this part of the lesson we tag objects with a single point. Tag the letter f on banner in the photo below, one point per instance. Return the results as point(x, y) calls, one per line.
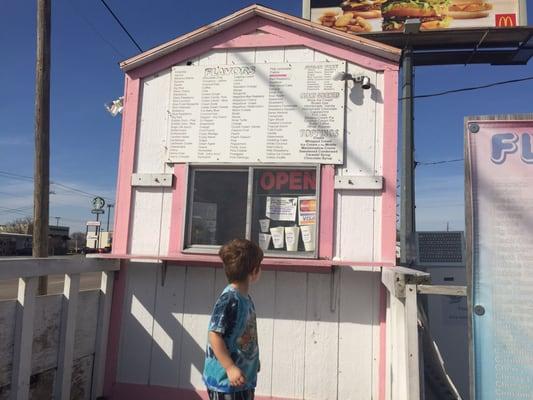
point(503, 144)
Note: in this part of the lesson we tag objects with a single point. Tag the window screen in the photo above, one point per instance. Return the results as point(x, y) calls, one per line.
point(216, 211)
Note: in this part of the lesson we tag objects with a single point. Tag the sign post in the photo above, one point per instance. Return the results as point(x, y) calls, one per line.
point(98, 204)
point(499, 222)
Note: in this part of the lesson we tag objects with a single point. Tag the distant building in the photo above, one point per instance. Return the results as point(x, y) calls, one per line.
point(58, 237)
point(19, 244)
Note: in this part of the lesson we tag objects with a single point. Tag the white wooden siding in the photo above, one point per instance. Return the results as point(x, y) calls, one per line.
point(137, 323)
point(150, 219)
point(357, 225)
point(319, 337)
point(318, 333)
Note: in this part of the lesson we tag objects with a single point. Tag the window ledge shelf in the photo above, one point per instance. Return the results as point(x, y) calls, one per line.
point(284, 264)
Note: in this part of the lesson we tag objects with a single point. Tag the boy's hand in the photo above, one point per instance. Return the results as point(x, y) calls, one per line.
point(235, 376)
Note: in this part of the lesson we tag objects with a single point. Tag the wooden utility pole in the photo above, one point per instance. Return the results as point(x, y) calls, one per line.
point(41, 190)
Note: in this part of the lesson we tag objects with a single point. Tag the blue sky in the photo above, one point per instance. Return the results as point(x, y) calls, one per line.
point(87, 45)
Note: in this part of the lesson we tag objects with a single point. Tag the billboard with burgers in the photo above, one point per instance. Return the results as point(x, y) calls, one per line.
point(359, 16)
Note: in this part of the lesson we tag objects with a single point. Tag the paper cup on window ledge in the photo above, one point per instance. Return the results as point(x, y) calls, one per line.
point(308, 237)
point(277, 236)
point(292, 233)
point(264, 240)
point(264, 223)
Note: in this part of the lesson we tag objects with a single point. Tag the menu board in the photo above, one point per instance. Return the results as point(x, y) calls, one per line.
point(267, 113)
point(500, 162)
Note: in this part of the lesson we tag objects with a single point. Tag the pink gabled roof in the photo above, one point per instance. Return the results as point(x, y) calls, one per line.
point(346, 39)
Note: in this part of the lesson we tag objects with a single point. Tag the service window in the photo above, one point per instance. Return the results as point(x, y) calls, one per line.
point(277, 207)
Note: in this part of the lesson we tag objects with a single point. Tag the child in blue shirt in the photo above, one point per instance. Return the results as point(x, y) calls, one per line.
point(232, 355)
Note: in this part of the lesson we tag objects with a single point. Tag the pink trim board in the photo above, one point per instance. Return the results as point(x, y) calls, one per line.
point(125, 165)
point(390, 138)
point(388, 212)
point(129, 391)
point(178, 210)
point(115, 322)
point(122, 222)
point(327, 212)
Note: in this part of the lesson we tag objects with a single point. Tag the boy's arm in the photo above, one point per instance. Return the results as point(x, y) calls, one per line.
point(235, 375)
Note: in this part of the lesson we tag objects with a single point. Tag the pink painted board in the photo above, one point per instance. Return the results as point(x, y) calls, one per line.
point(115, 322)
point(390, 138)
point(326, 204)
point(125, 165)
point(178, 209)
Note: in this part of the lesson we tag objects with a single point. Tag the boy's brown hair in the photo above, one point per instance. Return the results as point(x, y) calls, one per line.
point(241, 258)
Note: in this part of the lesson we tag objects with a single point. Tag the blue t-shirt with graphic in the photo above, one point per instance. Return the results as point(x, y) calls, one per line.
point(234, 318)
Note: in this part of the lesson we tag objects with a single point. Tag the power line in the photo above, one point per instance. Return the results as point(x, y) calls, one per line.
point(466, 89)
point(438, 162)
point(7, 210)
point(93, 28)
point(14, 176)
point(75, 190)
point(16, 209)
point(10, 194)
point(121, 24)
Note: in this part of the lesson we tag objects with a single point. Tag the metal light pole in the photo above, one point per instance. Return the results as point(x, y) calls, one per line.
point(109, 206)
point(407, 183)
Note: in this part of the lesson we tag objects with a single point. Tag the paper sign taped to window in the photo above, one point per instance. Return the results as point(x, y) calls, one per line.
point(281, 208)
point(306, 210)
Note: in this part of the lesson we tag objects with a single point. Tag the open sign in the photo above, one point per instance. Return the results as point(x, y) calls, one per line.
point(287, 180)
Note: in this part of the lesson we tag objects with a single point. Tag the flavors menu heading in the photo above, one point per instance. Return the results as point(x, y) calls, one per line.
point(268, 113)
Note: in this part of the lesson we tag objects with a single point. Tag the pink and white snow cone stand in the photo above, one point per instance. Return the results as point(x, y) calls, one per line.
point(260, 126)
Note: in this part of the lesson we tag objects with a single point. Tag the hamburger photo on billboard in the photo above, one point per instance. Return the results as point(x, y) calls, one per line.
point(433, 14)
point(367, 9)
point(469, 9)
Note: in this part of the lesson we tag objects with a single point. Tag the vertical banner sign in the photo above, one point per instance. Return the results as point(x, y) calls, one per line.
point(499, 169)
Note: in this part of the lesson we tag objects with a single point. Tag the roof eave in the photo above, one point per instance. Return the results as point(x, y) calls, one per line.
point(359, 43)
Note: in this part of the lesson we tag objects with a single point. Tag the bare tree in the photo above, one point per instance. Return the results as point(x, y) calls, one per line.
point(19, 225)
point(77, 241)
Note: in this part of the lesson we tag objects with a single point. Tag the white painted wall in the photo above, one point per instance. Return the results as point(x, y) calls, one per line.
point(319, 333)
point(358, 213)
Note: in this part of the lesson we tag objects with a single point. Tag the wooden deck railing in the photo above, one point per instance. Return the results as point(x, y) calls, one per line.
point(405, 370)
point(43, 334)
